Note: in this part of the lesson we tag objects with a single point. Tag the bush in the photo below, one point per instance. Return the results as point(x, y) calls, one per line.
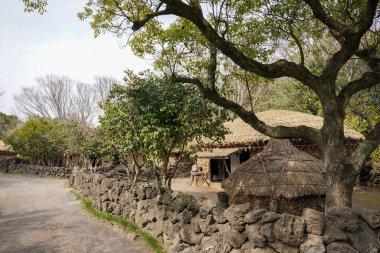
point(40, 139)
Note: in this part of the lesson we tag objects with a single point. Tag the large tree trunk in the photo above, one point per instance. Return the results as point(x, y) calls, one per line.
point(340, 174)
point(340, 182)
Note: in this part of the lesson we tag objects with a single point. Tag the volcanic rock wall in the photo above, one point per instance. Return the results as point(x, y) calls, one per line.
point(184, 224)
point(20, 166)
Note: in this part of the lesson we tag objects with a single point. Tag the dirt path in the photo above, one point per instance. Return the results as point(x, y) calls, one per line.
point(39, 215)
point(183, 185)
point(366, 200)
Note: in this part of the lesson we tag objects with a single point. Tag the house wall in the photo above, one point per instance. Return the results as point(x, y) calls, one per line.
point(235, 161)
point(205, 164)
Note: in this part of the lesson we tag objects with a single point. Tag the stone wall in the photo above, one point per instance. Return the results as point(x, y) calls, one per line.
point(21, 166)
point(184, 224)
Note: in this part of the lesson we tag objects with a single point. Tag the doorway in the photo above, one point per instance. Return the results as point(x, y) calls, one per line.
point(219, 169)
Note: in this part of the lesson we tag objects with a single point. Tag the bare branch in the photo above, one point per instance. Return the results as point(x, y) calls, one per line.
point(63, 98)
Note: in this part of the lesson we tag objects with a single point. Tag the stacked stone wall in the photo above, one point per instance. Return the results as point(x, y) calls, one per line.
point(21, 166)
point(184, 224)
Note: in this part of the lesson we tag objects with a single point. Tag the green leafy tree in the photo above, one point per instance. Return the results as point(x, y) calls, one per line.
point(205, 34)
point(151, 117)
point(40, 139)
point(84, 144)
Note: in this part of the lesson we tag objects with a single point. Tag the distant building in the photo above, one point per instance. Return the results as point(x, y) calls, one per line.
point(6, 151)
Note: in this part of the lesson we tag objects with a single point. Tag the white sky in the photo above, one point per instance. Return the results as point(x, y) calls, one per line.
point(57, 42)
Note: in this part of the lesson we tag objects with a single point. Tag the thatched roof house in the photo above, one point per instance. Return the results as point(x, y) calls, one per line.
point(6, 151)
point(243, 141)
point(243, 135)
point(280, 172)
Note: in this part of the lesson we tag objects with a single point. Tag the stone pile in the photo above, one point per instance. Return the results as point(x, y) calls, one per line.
point(22, 166)
point(184, 224)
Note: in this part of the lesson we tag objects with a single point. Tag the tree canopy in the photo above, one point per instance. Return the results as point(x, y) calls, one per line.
point(40, 139)
point(151, 118)
point(52, 142)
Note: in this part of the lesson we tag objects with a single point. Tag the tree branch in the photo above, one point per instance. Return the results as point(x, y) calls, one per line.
point(278, 132)
point(211, 72)
point(351, 34)
point(366, 147)
point(359, 28)
point(277, 69)
point(322, 16)
point(369, 55)
point(298, 43)
point(366, 17)
point(140, 23)
point(368, 80)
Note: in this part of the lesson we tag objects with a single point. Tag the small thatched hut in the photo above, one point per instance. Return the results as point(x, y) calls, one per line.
point(281, 178)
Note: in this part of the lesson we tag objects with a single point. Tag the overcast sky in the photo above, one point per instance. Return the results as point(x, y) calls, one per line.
point(32, 46)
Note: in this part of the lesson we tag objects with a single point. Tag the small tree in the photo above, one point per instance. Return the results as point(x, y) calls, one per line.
point(40, 139)
point(152, 117)
point(83, 143)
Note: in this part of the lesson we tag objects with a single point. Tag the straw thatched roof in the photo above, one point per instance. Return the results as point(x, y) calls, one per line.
point(243, 135)
point(4, 147)
point(217, 153)
point(279, 170)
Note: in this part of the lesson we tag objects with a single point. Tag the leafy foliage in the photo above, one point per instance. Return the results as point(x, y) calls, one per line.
point(40, 139)
point(151, 117)
point(83, 143)
point(35, 5)
point(53, 143)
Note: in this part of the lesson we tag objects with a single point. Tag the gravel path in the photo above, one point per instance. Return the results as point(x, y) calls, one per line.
point(40, 215)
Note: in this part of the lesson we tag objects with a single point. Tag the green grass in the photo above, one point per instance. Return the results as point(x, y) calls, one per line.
point(126, 224)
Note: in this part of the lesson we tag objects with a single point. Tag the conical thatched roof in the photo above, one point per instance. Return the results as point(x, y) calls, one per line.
point(279, 170)
point(241, 134)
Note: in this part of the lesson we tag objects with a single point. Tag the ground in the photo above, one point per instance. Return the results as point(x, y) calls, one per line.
point(366, 199)
point(40, 215)
point(183, 185)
